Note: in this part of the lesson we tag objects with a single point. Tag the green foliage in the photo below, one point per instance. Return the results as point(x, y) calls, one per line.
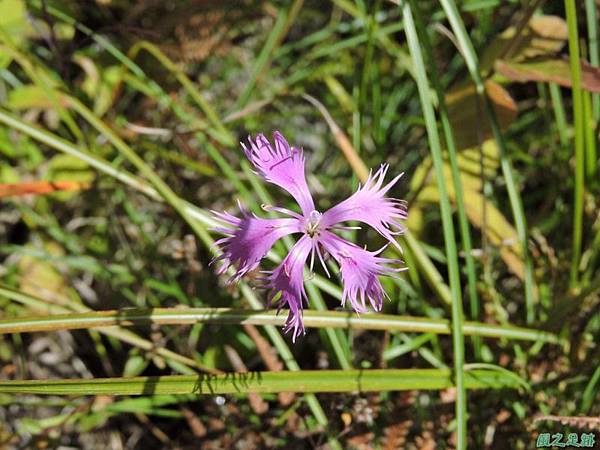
point(119, 124)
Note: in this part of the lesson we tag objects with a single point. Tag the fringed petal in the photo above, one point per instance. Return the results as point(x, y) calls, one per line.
point(370, 205)
point(288, 279)
point(248, 240)
point(281, 165)
point(360, 269)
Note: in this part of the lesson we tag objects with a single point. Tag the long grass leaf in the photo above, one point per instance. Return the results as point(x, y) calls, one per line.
point(579, 125)
point(456, 180)
point(114, 331)
point(265, 382)
point(313, 319)
point(591, 14)
point(447, 225)
point(264, 57)
point(516, 203)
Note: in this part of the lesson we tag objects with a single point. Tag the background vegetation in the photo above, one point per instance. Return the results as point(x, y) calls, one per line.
point(119, 131)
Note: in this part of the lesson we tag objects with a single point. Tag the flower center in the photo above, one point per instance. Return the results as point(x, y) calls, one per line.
point(313, 222)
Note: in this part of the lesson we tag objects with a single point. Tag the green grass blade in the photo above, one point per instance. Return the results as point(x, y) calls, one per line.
point(579, 125)
point(67, 147)
point(366, 76)
point(589, 393)
point(507, 171)
point(456, 180)
point(447, 225)
point(113, 331)
point(591, 14)
point(559, 113)
point(264, 57)
point(591, 153)
point(313, 319)
point(412, 344)
point(432, 275)
point(225, 135)
point(265, 382)
point(41, 80)
point(162, 97)
point(145, 170)
point(508, 373)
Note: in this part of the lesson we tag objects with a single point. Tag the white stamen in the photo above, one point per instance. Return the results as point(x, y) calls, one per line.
point(312, 259)
point(314, 220)
point(323, 262)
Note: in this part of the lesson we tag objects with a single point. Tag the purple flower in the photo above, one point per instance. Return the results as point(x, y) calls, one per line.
point(249, 238)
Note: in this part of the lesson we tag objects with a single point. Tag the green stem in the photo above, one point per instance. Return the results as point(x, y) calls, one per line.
point(579, 125)
point(265, 382)
point(312, 319)
point(458, 190)
point(116, 332)
point(591, 154)
point(264, 57)
point(591, 14)
point(559, 113)
point(145, 170)
point(516, 204)
point(224, 135)
point(447, 225)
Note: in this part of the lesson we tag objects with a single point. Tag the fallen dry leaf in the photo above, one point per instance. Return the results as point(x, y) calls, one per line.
point(549, 71)
point(40, 187)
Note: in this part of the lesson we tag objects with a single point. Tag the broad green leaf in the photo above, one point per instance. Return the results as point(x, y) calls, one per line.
point(30, 96)
point(13, 20)
point(69, 168)
point(8, 174)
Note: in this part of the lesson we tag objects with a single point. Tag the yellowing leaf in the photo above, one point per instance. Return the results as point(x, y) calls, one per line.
point(497, 229)
point(31, 96)
point(40, 278)
point(549, 70)
point(543, 36)
point(39, 187)
point(467, 116)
